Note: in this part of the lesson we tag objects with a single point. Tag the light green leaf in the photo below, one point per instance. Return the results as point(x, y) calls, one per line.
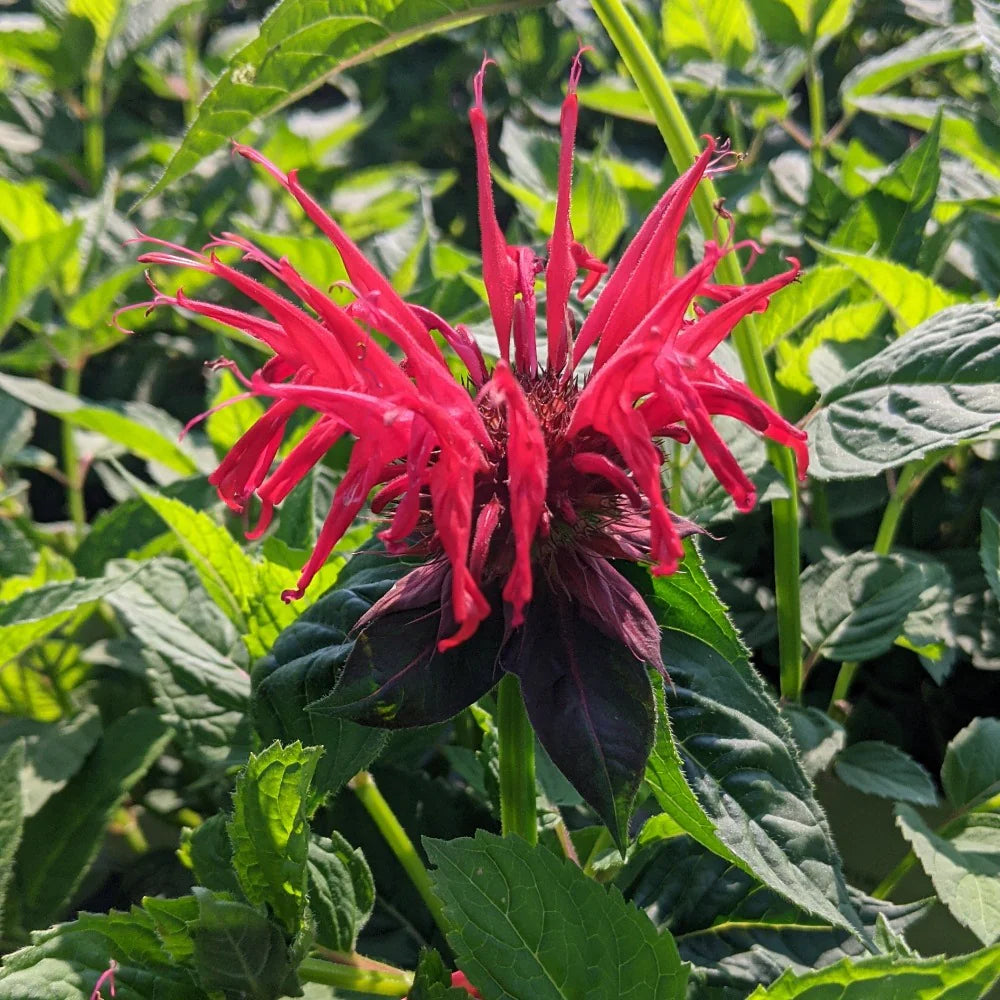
point(971, 770)
point(989, 550)
point(31, 265)
point(302, 43)
point(901, 62)
point(526, 923)
point(967, 977)
point(930, 390)
point(226, 426)
point(855, 607)
point(269, 829)
point(878, 768)
point(850, 322)
point(728, 774)
point(816, 291)
point(63, 837)
point(25, 212)
point(912, 297)
point(964, 868)
point(721, 30)
point(11, 812)
point(144, 430)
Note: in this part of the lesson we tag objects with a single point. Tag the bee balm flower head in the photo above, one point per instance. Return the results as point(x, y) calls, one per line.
point(519, 487)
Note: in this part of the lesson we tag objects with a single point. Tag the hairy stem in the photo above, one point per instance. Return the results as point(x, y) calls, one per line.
point(363, 785)
point(683, 148)
point(373, 982)
point(518, 813)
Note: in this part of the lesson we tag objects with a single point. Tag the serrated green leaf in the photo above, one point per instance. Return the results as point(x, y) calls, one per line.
point(195, 661)
point(238, 951)
point(878, 768)
point(526, 923)
point(970, 773)
point(66, 962)
point(63, 837)
point(301, 44)
point(725, 729)
point(208, 852)
point(932, 389)
point(929, 48)
point(989, 550)
point(341, 891)
point(735, 932)
point(227, 425)
point(818, 737)
point(174, 920)
point(142, 429)
point(855, 607)
point(269, 829)
point(967, 977)
point(11, 813)
point(816, 291)
point(912, 297)
point(964, 867)
point(54, 752)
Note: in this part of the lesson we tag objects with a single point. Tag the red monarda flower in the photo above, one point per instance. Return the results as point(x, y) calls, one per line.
point(519, 488)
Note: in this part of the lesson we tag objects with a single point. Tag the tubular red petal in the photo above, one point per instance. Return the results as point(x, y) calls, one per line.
point(526, 310)
point(593, 464)
point(460, 341)
point(499, 270)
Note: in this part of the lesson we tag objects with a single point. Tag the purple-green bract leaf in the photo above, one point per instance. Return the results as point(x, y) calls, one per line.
point(591, 705)
point(396, 677)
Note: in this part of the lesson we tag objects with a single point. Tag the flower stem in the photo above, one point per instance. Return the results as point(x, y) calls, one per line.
point(909, 481)
point(93, 129)
point(375, 983)
point(363, 785)
point(71, 459)
point(683, 148)
point(817, 108)
point(518, 813)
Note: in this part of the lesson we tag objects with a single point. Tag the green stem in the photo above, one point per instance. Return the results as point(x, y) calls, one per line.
point(817, 108)
point(909, 481)
point(372, 982)
point(363, 785)
point(601, 843)
point(71, 460)
point(93, 129)
point(683, 148)
point(518, 812)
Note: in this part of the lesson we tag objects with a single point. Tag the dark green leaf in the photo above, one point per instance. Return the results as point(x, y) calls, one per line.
point(729, 776)
point(195, 662)
point(590, 702)
point(341, 891)
point(989, 550)
point(878, 768)
point(63, 837)
point(432, 981)
point(967, 977)
point(270, 831)
point(528, 924)
point(733, 930)
point(855, 607)
point(238, 951)
point(819, 739)
point(971, 770)
point(208, 851)
point(53, 753)
point(302, 43)
point(964, 867)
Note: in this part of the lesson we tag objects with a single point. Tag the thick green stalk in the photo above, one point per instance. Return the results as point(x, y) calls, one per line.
point(363, 785)
point(71, 459)
point(93, 127)
point(817, 109)
point(373, 982)
point(683, 148)
point(909, 480)
point(518, 813)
